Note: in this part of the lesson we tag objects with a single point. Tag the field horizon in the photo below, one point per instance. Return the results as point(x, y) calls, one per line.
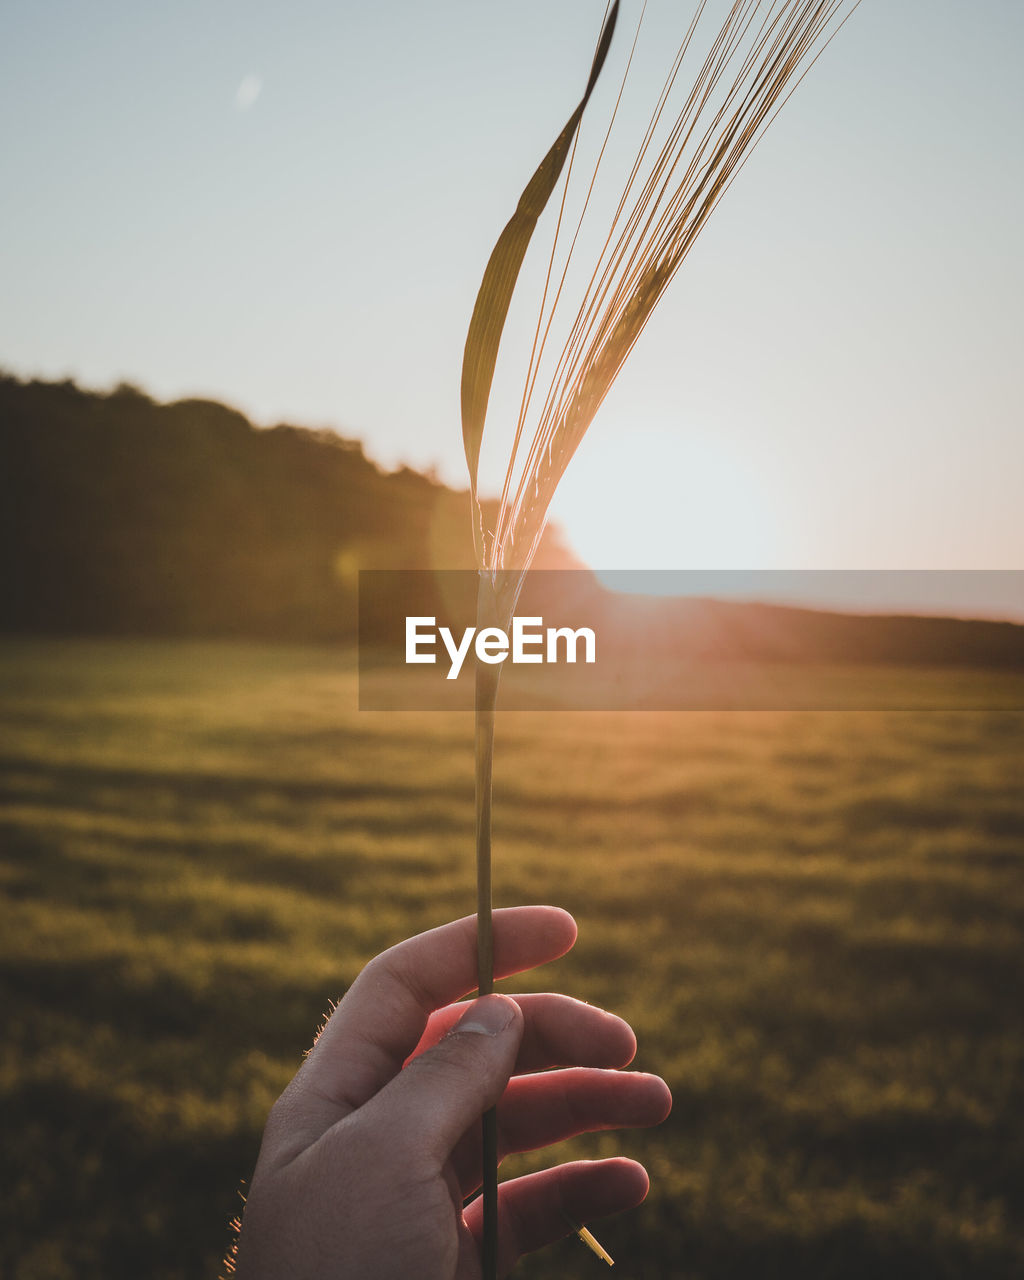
point(814, 921)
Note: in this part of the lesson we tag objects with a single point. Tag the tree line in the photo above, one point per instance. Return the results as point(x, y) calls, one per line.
point(120, 515)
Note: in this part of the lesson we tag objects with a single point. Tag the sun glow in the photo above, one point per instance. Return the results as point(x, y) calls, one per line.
point(668, 498)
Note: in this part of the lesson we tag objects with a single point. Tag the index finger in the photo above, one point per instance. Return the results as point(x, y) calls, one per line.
point(380, 1020)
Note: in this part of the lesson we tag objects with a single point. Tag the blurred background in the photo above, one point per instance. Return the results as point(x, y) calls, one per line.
point(288, 209)
point(240, 248)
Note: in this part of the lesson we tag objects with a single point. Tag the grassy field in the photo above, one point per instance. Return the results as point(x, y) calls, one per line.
point(814, 921)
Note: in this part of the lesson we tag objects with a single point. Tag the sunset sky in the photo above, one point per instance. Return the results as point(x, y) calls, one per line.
point(289, 207)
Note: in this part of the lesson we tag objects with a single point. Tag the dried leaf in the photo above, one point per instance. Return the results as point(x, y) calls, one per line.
point(496, 288)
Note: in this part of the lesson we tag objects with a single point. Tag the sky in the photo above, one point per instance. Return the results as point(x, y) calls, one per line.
point(289, 207)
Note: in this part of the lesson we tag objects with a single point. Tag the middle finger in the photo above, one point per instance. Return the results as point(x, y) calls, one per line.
point(538, 1110)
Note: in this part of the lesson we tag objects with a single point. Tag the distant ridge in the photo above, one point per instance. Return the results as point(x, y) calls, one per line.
point(122, 516)
point(695, 629)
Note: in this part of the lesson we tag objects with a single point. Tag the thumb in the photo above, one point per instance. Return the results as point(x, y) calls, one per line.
point(445, 1090)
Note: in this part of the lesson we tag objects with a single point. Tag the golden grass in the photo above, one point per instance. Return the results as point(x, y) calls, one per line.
point(814, 921)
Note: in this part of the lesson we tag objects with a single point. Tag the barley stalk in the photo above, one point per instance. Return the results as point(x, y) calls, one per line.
point(486, 698)
point(697, 140)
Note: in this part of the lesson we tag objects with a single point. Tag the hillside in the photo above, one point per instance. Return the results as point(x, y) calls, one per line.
point(122, 516)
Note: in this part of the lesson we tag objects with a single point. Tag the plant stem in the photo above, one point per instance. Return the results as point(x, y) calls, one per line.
point(486, 697)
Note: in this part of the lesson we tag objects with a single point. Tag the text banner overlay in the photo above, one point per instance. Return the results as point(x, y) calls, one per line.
point(657, 641)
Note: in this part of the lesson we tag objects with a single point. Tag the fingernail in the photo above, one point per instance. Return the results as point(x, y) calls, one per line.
point(488, 1016)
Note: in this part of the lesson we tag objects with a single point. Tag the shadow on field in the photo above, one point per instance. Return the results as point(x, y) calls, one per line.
point(63, 1143)
point(728, 1246)
point(72, 786)
point(166, 1004)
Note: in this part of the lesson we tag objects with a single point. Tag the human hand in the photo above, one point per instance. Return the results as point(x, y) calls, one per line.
point(370, 1152)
